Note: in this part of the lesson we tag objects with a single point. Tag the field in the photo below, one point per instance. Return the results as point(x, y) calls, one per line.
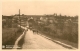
point(9, 35)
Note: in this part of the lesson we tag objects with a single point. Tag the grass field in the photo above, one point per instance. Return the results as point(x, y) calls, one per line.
point(9, 35)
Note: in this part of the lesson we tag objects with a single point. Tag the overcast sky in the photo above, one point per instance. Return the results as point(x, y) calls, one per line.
point(41, 7)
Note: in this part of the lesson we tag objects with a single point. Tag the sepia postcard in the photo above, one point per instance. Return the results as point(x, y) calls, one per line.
point(40, 25)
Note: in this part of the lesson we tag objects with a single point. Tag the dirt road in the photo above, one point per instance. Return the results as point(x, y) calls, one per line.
point(35, 41)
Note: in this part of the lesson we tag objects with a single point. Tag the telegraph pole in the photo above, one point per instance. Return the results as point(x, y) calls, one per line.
point(19, 18)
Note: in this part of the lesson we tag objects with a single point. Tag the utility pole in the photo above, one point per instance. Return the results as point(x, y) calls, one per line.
point(19, 18)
